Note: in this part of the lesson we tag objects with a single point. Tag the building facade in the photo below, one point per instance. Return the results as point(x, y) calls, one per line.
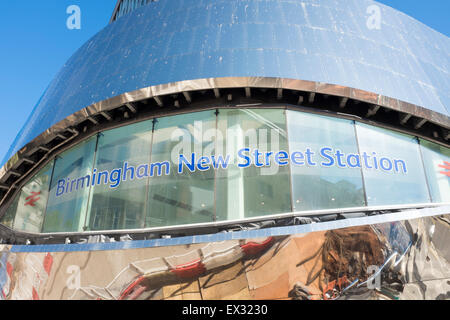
point(238, 127)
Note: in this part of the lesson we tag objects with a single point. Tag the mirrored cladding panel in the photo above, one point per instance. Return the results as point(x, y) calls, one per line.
point(227, 164)
point(396, 260)
point(124, 7)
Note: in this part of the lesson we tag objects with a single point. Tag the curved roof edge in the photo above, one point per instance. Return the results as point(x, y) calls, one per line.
point(372, 103)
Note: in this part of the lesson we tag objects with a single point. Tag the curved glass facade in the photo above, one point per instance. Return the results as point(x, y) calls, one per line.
point(227, 164)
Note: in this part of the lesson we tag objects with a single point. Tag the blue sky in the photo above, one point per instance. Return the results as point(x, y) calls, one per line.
point(35, 43)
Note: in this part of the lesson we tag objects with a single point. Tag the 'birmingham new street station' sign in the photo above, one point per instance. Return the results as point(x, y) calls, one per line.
point(327, 157)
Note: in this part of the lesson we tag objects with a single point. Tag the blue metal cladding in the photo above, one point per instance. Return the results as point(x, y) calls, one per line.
point(317, 40)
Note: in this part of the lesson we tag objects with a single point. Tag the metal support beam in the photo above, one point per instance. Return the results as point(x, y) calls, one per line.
point(106, 115)
point(312, 96)
point(343, 102)
point(216, 93)
point(131, 107)
point(44, 148)
point(93, 120)
point(28, 161)
point(300, 100)
point(404, 118)
point(72, 130)
point(418, 124)
point(373, 110)
point(248, 92)
point(279, 93)
point(15, 173)
point(176, 104)
point(158, 101)
point(446, 134)
point(188, 97)
point(59, 135)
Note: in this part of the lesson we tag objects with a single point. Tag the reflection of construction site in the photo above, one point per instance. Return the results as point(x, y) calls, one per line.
point(335, 264)
point(343, 257)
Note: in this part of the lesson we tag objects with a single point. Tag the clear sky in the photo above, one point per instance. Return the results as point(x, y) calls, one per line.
point(35, 44)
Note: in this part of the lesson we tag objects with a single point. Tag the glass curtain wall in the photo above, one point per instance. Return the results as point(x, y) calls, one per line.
point(322, 178)
point(437, 166)
point(393, 168)
point(120, 203)
point(8, 218)
point(29, 206)
point(182, 196)
point(253, 184)
point(227, 164)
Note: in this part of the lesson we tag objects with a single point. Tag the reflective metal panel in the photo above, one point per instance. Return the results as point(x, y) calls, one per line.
point(389, 261)
point(124, 7)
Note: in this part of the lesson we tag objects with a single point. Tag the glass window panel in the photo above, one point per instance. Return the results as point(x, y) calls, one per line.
point(436, 159)
point(322, 177)
point(124, 154)
point(8, 217)
point(187, 197)
point(393, 169)
point(32, 202)
point(69, 192)
point(252, 190)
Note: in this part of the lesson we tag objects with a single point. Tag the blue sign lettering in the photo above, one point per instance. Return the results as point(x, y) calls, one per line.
point(327, 157)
